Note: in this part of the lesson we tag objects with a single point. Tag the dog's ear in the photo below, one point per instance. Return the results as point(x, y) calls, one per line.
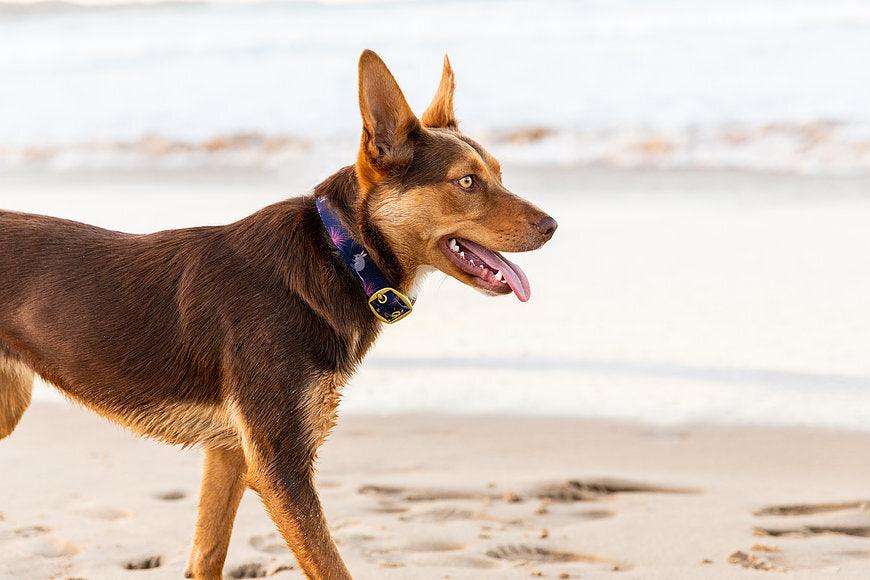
point(387, 119)
point(440, 111)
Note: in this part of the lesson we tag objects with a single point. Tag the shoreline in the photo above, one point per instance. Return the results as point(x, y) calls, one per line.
point(55, 399)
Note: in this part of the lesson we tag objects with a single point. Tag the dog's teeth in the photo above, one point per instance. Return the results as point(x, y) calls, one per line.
point(470, 260)
point(481, 267)
point(462, 255)
point(499, 276)
point(453, 245)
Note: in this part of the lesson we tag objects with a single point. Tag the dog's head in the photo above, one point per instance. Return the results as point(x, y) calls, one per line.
point(435, 195)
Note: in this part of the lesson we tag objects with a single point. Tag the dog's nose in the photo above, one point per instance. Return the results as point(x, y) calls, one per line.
point(547, 226)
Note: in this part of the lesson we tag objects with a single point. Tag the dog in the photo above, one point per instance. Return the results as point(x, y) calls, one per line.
point(239, 338)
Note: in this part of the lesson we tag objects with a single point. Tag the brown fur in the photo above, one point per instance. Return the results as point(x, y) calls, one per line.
point(239, 337)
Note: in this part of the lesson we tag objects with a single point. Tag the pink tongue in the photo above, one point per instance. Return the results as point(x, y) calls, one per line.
point(513, 274)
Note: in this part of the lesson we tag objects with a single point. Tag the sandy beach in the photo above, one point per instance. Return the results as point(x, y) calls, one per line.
point(427, 496)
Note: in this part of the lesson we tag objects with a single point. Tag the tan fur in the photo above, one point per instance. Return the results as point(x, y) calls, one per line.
point(440, 111)
point(305, 531)
point(321, 407)
point(297, 513)
point(185, 424)
point(223, 483)
point(16, 387)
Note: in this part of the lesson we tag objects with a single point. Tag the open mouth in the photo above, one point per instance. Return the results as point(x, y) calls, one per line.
point(491, 271)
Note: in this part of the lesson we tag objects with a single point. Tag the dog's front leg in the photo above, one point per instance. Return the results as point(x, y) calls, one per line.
point(223, 483)
point(280, 456)
point(295, 507)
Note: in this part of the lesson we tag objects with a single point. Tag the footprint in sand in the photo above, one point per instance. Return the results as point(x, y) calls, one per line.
point(572, 490)
point(31, 531)
point(445, 514)
point(841, 522)
point(171, 495)
point(595, 514)
point(810, 509)
point(145, 563)
point(851, 518)
point(807, 531)
point(258, 570)
point(536, 554)
point(388, 507)
point(434, 546)
point(754, 562)
point(452, 561)
point(270, 543)
point(435, 552)
point(411, 494)
point(575, 490)
point(56, 548)
point(101, 512)
point(422, 552)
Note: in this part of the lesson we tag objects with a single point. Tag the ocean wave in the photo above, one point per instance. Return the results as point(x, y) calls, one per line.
point(814, 147)
point(818, 147)
point(45, 7)
point(239, 149)
point(746, 82)
point(39, 7)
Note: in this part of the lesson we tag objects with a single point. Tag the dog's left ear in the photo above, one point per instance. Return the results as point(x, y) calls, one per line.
point(440, 112)
point(388, 121)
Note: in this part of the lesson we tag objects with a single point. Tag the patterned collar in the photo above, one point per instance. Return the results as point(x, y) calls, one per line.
point(387, 303)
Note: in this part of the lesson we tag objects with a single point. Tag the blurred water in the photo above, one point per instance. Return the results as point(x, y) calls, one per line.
point(663, 78)
point(665, 297)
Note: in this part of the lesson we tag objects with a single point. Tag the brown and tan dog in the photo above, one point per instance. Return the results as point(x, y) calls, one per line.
point(239, 338)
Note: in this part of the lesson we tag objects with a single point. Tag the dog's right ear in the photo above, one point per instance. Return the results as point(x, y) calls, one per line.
point(387, 120)
point(440, 112)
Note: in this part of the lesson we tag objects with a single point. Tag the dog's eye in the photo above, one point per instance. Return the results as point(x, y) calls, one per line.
point(466, 182)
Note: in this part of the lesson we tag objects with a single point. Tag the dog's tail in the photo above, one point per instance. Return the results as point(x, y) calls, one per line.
point(16, 389)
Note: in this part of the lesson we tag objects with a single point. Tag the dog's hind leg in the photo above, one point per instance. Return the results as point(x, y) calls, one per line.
point(223, 482)
point(16, 389)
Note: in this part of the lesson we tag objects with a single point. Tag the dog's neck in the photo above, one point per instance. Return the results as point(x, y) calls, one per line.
point(342, 191)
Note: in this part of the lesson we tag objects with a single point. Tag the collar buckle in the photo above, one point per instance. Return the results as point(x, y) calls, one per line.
point(389, 305)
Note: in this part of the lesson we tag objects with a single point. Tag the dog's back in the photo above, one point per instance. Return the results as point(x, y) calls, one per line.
point(23, 238)
point(98, 314)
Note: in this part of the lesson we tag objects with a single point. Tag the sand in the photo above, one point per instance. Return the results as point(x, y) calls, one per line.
point(427, 496)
